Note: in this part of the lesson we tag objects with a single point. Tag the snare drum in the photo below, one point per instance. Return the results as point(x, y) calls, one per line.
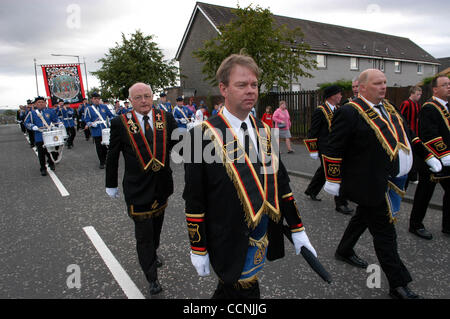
point(105, 136)
point(53, 138)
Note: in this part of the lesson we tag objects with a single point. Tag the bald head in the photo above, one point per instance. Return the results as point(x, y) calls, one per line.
point(141, 97)
point(372, 85)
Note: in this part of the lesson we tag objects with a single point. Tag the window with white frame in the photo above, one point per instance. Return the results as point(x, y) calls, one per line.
point(419, 68)
point(397, 67)
point(381, 68)
point(354, 63)
point(321, 61)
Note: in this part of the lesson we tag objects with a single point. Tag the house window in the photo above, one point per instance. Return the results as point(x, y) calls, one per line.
point(419, 68)
point(321, 61)
point(296, 87)
point(354, 64)
point(397, 67)
point(381, 66)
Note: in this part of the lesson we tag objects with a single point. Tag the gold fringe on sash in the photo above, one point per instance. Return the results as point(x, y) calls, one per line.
point(266, 208)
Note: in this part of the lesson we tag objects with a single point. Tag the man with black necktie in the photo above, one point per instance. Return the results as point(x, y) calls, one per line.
point(434, 131)
point(367, 162)
point(317, 141)
point(143, 137)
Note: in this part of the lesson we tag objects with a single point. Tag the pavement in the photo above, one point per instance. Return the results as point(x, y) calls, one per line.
point(43, 238)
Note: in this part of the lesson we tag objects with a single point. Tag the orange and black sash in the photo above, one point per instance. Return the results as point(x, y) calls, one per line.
point(444, 113)
point(328, 112)
point(148, 156)
point(255, 183)
point(392, 138)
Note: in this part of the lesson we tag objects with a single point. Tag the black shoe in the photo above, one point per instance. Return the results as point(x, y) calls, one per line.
point(52, 166)
point(446, 232)
point(69, 147)
point(31, 145)
point(159, 262)
point(43, 172)
point(403, 293)
point(155, 287)
point(422, 233)
point(290, 152)
point(102, 166)
point(313, 197)
point(344, 209)
point(352, 260)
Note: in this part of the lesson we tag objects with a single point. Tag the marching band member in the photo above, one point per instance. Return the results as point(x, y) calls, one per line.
point(67, 114)
point(96, 117)
point(182, 114)
point(39, 119)
point(163, 104)
point(82, 124)
point(143, 137)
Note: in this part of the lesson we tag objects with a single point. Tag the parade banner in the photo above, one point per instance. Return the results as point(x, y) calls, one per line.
point(63, 81)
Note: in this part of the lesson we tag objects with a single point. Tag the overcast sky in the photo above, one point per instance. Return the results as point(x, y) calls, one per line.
point(38, 28)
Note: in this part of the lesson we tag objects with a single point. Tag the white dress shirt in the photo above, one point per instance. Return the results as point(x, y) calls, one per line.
point(332, 107)
point(140, 118)
point(405, 158)
point(444, 103)
point(236, 125)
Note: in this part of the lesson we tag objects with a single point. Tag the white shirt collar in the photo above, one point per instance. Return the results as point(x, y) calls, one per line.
point(332, 107)
point(140, 118)
point(444, 103)
point(236, 125)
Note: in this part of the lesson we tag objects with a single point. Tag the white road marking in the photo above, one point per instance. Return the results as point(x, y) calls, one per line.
point(128, 286)
point(55, 179)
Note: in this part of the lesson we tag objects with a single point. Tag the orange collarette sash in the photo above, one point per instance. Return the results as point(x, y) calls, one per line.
point(391, 138)
point(148, 156)
point(444, 113)
point(328, 114)
point(256, 183)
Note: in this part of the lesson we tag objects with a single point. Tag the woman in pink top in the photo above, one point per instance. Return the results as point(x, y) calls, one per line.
point(282, 121)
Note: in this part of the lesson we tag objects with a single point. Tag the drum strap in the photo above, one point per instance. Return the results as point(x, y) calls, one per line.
point(99, 116)
point(42, 119)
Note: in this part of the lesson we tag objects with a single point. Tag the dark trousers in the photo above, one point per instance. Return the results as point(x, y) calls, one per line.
point(317, 182)
point(236, 292)
point(72, 133)
point(384, 241)
point(42, 153)
point(413, 173)
point(102, 150)
point(31, 136)
point(148, 233)
point(87, 132)
point(422, 197)
point(22, 127)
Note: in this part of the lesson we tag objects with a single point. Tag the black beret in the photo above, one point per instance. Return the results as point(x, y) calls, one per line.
point(95, 94)
point(39, 98)
point(331, 90)
point(162, 94)
point(66, 102)
point(29, 101)
point(180, 98)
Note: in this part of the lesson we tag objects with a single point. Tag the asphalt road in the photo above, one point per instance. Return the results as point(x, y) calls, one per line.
point(42, 237)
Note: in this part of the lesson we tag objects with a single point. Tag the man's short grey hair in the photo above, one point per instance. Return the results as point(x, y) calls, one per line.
point(131, 87)
point(356, 78)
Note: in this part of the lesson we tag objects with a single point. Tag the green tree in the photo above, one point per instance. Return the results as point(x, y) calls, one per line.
point(278, 50)
point(137, 59)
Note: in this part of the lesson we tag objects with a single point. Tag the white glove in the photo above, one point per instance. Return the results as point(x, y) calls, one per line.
point(184, 121)
point(112, 192)
point(300, 239)
point(201, 264)
point(94, 124)
point(35, 128)
point(314, 156)
point(435, 165)
point(446, 160)
point(332, 188)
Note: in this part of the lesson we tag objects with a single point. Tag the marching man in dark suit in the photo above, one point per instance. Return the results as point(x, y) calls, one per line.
point(434, 131)
point(237, 199)
point(368, 157)
point(143, 137)
point(317, 141)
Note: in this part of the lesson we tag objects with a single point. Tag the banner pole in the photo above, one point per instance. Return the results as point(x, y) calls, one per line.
point(85, 72)
point(35, 74)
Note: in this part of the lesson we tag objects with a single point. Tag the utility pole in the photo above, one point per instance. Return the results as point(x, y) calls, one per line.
point(35, 74)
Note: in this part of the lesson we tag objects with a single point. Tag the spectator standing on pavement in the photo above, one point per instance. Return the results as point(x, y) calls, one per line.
point(317, 141)
point(267, 116)
point(410, 111)
point(282, 121)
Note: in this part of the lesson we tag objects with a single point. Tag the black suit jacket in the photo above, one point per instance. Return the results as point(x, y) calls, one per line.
point(319, 129)
point(140, 188)
point(366, 167)
point(432, 126)
point(210, 191)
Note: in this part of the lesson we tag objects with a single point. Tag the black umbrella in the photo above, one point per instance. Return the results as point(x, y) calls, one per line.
point(312, 260)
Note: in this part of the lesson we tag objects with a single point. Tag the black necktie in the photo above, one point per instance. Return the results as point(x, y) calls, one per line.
point(246, 138)
point(148, 130)
point(382, 110)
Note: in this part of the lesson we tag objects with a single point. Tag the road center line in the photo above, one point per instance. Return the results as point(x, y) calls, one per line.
point(128, 286)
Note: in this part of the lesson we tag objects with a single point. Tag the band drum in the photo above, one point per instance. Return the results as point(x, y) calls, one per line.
point(105, 136)
point(53, 138)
